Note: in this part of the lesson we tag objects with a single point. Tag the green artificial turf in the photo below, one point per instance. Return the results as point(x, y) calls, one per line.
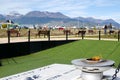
point(63, 55)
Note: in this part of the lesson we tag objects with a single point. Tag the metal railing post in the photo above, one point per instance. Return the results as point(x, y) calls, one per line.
point(8, 33)
point(118, 35)
point(49, 35)
point(82, 34)
point(66, 35)
point(29, 35)
point(99, 35)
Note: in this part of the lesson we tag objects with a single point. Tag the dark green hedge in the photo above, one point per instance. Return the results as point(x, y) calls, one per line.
point(23, 48)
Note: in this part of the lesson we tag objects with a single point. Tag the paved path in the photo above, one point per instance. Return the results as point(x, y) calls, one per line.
point(25, 39)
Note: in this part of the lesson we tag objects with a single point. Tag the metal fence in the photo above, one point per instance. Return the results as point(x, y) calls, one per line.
point(28, 35)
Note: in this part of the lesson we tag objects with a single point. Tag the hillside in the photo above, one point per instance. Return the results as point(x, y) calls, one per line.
point(55, 18)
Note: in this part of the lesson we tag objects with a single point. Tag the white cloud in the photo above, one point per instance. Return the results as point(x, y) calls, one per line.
point(103, 3)
point(71, 8)
point(9, 5)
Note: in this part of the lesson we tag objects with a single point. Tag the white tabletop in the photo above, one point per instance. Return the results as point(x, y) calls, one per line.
point(85, 62)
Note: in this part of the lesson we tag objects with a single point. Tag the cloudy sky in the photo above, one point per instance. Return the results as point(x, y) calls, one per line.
point(100, 9)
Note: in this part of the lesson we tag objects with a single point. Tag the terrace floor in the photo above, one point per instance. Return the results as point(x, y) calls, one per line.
point(56, 72)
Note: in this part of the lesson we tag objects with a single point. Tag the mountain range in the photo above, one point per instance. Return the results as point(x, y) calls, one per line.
point(54, 19)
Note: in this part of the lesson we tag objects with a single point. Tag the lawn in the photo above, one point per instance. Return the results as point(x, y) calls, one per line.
point(62, 54)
